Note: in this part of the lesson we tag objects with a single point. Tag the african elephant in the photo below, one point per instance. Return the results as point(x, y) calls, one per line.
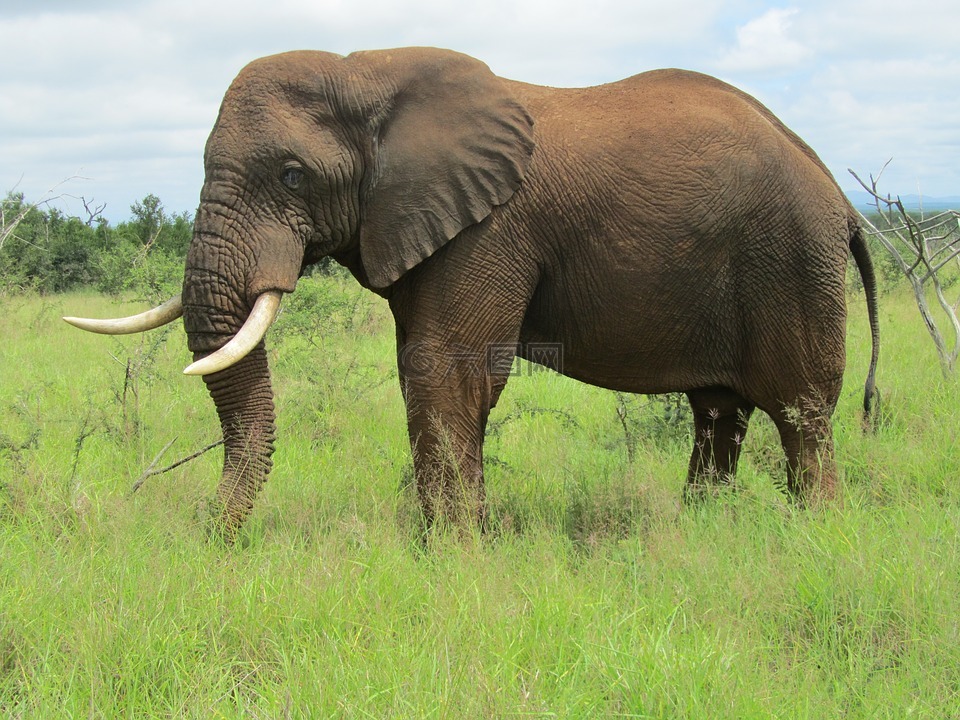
point(662, 233)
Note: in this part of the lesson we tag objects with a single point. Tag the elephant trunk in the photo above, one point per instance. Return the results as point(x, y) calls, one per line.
point(244, 400)
point(238, 267)
point(243, 395)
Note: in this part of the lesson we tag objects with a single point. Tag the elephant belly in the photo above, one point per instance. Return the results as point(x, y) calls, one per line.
point(651, 340)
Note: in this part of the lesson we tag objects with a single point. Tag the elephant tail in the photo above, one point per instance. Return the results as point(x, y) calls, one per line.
point(861, 255)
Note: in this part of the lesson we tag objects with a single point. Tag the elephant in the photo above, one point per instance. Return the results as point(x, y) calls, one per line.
point(663, 233)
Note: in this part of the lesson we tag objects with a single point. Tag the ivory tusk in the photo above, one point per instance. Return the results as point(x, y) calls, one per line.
point(154, 318)
point(258, 322)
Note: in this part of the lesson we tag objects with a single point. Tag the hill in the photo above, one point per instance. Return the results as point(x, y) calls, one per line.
point(863, 202)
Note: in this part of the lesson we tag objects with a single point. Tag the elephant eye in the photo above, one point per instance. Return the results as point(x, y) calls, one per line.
point(292, 176)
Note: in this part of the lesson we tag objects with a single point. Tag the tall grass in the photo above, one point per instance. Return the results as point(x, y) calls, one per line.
point(595, 594)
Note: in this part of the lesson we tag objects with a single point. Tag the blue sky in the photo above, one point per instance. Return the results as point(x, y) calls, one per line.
point(116, 97)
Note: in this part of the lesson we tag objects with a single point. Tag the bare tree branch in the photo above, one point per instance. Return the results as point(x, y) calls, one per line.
point(149, 472)
point(94, 212)
point(921, 249)
point(7, 228)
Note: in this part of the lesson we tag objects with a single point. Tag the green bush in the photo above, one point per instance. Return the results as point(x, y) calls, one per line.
point(43, 250)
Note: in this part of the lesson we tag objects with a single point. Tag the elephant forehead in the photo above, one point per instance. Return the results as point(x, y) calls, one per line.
point(261, 118)
point(296, 77)
point(256, 120)
point(264, 131)
point(244, 134)
point(288, 67)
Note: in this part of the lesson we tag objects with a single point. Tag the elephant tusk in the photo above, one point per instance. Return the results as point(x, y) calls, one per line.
point(153, 318)
point(258, 322)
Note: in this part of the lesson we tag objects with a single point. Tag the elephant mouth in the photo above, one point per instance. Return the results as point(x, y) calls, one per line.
point(259, 320)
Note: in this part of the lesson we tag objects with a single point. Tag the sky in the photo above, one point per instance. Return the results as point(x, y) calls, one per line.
point(103, 102)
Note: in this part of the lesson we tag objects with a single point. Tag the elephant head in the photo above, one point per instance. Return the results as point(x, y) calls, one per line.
point(377, 159)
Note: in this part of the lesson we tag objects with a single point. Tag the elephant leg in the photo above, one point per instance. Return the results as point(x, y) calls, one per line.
point(447, 410)
point(459, 319)
point(720, 418)
point(806, 434)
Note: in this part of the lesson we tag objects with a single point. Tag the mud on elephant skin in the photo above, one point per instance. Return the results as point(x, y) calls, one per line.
point(667, 232)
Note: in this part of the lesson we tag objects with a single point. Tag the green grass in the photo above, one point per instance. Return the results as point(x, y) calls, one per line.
point(595, 594)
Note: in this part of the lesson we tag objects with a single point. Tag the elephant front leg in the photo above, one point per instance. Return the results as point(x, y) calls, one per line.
point(448, 466)
point(447, 410)
point(447, 447)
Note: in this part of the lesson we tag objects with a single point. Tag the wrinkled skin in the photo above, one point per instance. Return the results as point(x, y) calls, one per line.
point(663, 233)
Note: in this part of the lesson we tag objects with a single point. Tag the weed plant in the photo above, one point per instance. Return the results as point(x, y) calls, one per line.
point(593, 594)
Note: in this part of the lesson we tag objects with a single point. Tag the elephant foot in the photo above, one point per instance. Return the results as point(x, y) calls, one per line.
point(815, 488)
point(698, 490)
point(807, 438)
point(460, 508)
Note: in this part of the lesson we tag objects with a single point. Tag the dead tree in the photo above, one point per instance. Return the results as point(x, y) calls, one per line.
point(922, 247)
point(9, 223)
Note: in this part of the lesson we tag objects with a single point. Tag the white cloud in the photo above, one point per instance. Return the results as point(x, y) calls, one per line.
point(765, 44)
point(863, 112)
point(128, 89)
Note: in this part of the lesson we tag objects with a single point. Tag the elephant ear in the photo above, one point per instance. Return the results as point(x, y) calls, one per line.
point(449, 146)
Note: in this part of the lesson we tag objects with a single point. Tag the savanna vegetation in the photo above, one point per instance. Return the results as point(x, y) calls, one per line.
point(46, 251)
point(595, 593)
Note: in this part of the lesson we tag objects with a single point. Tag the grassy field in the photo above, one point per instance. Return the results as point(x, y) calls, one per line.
point(595, 594)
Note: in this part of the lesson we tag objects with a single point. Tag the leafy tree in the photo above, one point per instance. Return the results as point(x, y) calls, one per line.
point(43, 249)
point(71, 253)
point(46, 250)
point(177, 234)
point(151, 225)
point(147, 219)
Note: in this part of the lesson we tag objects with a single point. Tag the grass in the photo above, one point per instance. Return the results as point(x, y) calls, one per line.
point(594, 595)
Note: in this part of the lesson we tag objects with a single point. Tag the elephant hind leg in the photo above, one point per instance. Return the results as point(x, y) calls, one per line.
point(720, 418)
point(806, 434)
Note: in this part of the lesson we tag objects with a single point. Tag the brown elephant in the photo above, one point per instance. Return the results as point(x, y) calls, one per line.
point(662, 233)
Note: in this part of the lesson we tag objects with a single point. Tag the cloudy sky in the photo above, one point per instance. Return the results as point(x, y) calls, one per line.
point(119, 95)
